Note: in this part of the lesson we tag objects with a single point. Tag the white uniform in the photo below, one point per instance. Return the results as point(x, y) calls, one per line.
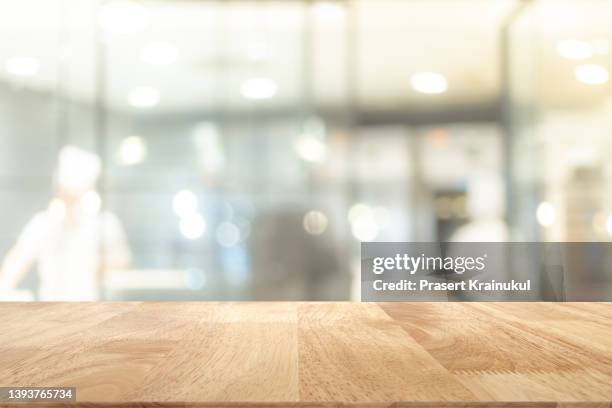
point(68, 254)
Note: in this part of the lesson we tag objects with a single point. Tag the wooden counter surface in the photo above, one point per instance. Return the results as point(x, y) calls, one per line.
point(311, 354)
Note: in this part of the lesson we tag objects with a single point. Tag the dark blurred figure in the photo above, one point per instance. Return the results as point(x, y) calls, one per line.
point(290, 264)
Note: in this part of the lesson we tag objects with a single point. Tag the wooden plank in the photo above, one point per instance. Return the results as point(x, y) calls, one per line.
point(312, 354)
point(521, 351)
point(239, 352)
point(364, 356)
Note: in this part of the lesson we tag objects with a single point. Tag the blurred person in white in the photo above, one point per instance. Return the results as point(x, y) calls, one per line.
point(67, 240)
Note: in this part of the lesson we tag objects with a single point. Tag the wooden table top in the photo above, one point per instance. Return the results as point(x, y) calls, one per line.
point(311, 354)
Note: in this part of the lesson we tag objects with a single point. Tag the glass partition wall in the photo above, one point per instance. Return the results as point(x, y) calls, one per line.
point(240, 150)
point(561, 93)
point(559, 63)
point(221, 125)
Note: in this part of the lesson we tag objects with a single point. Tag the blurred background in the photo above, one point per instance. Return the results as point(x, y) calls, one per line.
point(234, 150)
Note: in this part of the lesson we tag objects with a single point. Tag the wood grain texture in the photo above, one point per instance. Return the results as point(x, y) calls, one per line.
point(262, 354)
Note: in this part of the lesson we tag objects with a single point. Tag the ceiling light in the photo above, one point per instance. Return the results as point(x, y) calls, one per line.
point(185, 203)
point(365, 229)
point(315, 222)
point(592, 74)
point(22, 66)
point(192, 226)
point(123, 17)
point(161, 53)
point(144, 97)
point(429, 83)
point(357, 211)
point(364, 225)
point(132, 150)
point(546, 214)
point(311, 149)
point(575, 49)
point(258, 88)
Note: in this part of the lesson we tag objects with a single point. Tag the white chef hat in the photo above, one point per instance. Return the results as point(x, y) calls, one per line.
point(78, 170)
